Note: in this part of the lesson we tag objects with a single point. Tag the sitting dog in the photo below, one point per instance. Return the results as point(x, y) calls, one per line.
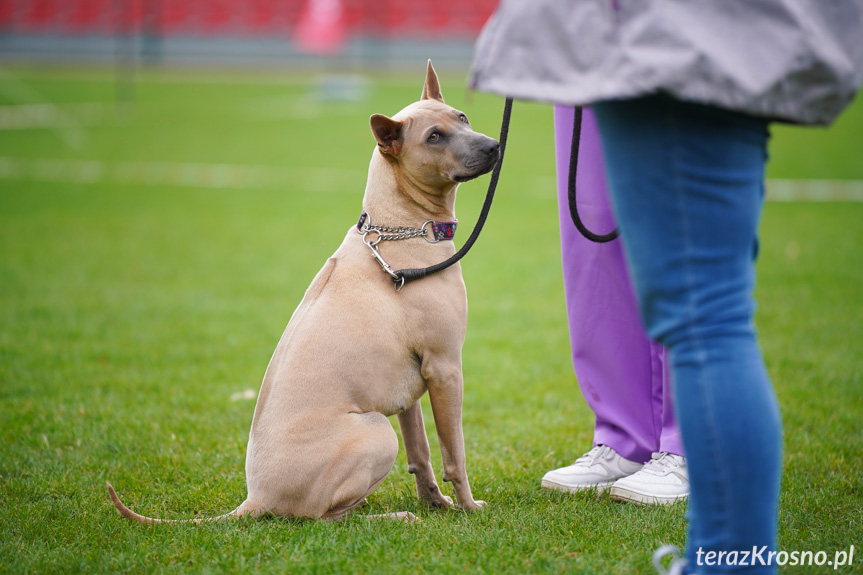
point(356, 351)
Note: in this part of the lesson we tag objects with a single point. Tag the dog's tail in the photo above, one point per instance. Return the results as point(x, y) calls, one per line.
point(132, 516)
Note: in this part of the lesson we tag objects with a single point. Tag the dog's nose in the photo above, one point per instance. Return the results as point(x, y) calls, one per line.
point(491, 147)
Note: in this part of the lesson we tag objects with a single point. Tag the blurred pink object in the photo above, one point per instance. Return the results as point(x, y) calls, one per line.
point(322, 28)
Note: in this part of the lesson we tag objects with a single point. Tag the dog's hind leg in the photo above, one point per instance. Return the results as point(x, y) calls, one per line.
point(361, 463)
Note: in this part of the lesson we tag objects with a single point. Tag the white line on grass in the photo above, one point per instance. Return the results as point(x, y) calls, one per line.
point(30, 116)
point(197, 175)
point(65, 127)
point(815, 190)
point(246, 176)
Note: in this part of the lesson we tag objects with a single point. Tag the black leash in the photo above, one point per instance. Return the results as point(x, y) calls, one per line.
point(573, 168)
point(408, 275)
point(401, 277)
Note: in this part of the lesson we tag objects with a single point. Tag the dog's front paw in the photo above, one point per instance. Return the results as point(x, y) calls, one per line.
point(475, 505)
point(430, 494)
point(438, 500)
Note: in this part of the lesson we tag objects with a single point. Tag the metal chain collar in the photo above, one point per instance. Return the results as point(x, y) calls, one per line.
point(386, 234)
point(392, 233)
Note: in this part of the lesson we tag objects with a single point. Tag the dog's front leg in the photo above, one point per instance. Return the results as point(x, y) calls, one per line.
point(446, 388)
point(419, 457)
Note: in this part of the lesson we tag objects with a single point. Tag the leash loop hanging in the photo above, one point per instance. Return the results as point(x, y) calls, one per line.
point(573, 169)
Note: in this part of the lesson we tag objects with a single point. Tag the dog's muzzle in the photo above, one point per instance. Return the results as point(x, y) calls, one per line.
point(482, 162)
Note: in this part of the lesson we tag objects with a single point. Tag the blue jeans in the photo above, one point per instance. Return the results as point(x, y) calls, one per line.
point(686, 183)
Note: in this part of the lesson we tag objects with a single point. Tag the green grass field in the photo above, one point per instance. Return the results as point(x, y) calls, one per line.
point(135, 302)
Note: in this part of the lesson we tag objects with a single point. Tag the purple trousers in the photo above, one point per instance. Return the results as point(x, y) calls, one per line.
point(623, 375)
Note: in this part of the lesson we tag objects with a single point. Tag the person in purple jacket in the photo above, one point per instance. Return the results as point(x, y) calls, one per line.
point(637, 449)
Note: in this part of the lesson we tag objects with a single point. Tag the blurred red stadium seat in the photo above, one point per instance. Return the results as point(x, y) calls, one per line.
point(388, 18)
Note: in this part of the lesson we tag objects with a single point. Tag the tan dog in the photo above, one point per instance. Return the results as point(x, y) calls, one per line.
point(356, 351)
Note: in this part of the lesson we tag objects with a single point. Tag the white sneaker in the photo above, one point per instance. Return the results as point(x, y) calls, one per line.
point(597, 469)
point(663, 480)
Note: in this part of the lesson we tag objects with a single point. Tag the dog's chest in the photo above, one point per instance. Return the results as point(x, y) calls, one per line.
point(392, 387)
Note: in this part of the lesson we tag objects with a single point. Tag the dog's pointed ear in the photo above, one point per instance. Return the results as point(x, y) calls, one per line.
point(431, 88)
point(388, 134)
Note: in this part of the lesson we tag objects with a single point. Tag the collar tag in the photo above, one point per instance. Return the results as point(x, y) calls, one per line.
point(444, 230)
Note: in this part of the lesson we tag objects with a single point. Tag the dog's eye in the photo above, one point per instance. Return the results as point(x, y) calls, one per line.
point(434, 137)
point(463, 118)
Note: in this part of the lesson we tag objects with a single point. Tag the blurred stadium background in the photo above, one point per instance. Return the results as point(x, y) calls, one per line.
point(336, 46)
point(81, 82)
point(288, 32)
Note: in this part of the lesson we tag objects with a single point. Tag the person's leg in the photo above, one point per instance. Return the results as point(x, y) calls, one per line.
point(617, 367)
point(687, 187)
point(670, 439)
point(665, 478)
